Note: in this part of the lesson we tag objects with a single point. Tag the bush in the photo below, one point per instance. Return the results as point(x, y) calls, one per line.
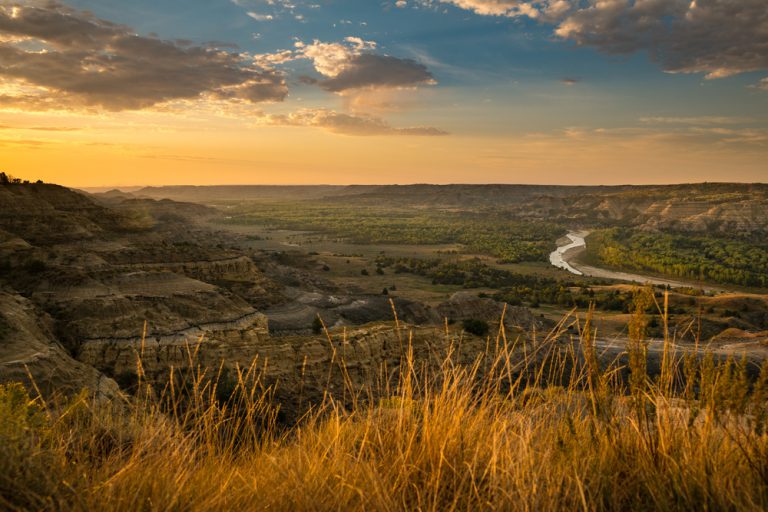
point(475, 326)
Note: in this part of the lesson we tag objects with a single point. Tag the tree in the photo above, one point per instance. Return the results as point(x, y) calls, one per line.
point(5, 179)
point(475, 326)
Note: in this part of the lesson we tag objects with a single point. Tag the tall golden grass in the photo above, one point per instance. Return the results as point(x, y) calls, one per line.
point(529, 426)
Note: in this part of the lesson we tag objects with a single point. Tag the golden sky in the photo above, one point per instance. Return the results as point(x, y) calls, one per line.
point(309, 94)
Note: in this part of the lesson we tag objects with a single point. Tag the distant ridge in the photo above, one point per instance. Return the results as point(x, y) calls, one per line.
point(448, 195)
point(202, 193)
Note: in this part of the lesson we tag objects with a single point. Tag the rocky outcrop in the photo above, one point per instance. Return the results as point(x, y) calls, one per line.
point(466, 306)
point(232, 268)
point(338, 310)
point(122, 316)
point(29, 353)
point(302, 368)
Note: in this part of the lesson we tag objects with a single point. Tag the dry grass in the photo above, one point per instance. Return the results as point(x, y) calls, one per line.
point(544, 427)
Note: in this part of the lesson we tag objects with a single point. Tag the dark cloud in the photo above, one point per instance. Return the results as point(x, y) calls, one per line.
point(371, 70)
point(88, 61)
point(715, 37)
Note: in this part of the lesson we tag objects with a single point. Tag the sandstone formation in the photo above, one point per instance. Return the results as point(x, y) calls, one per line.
point(302, 368)
point(466, 306)
point(94, 286)
point(29, 353)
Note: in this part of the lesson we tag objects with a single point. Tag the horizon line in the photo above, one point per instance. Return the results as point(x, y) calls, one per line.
point(453, 184)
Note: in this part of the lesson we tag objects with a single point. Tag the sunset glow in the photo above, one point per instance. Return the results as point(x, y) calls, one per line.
point(108, 93)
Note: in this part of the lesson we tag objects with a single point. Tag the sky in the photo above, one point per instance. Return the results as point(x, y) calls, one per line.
point(119, 93)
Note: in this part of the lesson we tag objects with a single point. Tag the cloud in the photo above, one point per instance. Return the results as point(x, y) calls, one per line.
point(346, 124)
point(696, 120)
point(330, 59)
point(761, 85)
point(510, 8)
point(40, 128)
point(351, 64)
point(24, 143)
point(260, 17)
point(719, 38)
point(370, 70)
point(716, 37)
point(742, 136)
point(65, 58)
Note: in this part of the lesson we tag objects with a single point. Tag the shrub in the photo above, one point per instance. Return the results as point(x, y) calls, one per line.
point(475, 326)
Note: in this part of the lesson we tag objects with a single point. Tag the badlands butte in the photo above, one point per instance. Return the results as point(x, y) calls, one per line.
point(92, 281)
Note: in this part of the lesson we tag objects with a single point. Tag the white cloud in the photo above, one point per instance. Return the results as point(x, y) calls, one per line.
point(761, 85)
point(352, 65)
point(696, 120)
point(260, 17)
point(330, 59)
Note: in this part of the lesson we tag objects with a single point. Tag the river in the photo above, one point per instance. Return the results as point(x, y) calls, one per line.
point(558, 257)
point(574, 244)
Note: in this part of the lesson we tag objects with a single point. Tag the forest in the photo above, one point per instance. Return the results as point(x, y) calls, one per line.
point(697, 258)
point(490, 233)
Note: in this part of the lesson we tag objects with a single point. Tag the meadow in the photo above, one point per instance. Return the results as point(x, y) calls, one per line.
point(486, 232)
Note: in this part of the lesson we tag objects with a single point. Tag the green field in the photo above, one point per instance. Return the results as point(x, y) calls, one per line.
point(491, 233)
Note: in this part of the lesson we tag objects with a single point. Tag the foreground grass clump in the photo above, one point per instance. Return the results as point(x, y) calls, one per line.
point(541, 426)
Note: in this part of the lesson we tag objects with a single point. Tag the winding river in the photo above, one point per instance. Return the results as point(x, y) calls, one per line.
point(574, 244)
point(558, 256)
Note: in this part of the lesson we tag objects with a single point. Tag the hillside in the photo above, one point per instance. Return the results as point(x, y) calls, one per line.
point(727, 208)
point(707, 207)
point(83, 278)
